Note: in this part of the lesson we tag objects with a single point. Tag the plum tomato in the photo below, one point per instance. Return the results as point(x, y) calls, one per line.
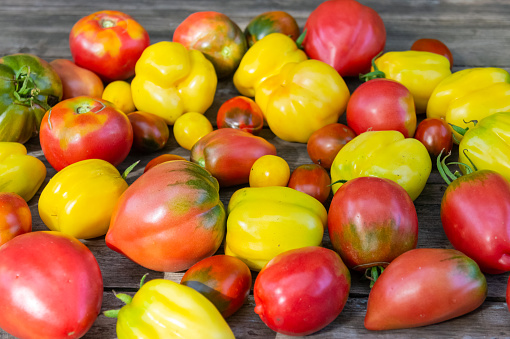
point(242, 113)
point(326, 142)
point(436, 135)
point(15, 216)
point(433, 46)
point(271, 22)
point(269, 170)
point(160, 159)
point(150, 132)
point(191, 127)
point(311, 179)
point(77, 81)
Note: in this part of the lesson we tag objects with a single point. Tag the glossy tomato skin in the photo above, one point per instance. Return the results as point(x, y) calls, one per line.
point(224, 280)
point(326, 142)
point(371, 221)
point(475, 213)
point(108, 43)
point(271, 22)
point(77, 81)
point(51, 286)
point(436, 135)
point(150, 132)
point(433, 46)
point(85, 128)
point(15, 216)
point(380, 105)
point(242, 113)
point(507, 295)
point(311, 179)
point(425, 286)
point(309, 283)
point(160, 159)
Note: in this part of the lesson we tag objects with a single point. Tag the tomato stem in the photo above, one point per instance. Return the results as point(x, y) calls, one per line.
point(376, 73)
point(26, 90)
point(373, 273)
point(108, 23)
point(124, 176)
point(300, 39)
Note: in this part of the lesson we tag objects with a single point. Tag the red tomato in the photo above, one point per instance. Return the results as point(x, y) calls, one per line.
point(160, 159)
point(15, 216)
point(326, 142)
point(51, 286)
point(433, 46)
point(215, 35)
point(475, 212)
point(311, 179)
point(108, 43)
point(242, 113)
point(169, 219)
point(344, 34)
point(85, 128)
point(436, 135)
point(371, 221)
point(425, 286)
point(150, 132)
point(77, 81)
point(508, 294)
point(271, 22)
point(224, 280)
point(381, 105)
point(301, 291)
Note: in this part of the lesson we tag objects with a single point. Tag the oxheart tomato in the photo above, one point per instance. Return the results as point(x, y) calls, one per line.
point(436, 135)
point(311, 179)
point(433, 46)
point(108, 43)
point(170, 218)
point(344, 34)
point(242, 113)
point(380, 105)
point(15, 216)
point(301, 291)
point(150, 132)
point(425, 286)
point(271, 22)
point(76, 80)
point(85, 128)
point(223, 279)
point(51, 286)
point(161, 159)
point(371, 221)
point(325, 143)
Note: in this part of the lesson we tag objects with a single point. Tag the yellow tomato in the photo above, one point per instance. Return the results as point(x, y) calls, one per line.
point(269, 170)
point(119, 93)
point(191, 127)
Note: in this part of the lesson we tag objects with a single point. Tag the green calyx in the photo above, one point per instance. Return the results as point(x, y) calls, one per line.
point(373, 273)
point(124, 176)
point(300, 39)
point(445, 172)
point(126, 299)
point(26, 91)
point(375, 74)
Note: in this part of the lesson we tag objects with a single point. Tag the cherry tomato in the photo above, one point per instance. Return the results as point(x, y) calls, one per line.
point(119, 93)
point(381, 105)
point(224, 280)
point(436, 135)
point(191, 127)
point(77, 81)
point(326, 142)
point(269, 170)
point(242, 113)
point(85, 128)
point(271, 22)
point(15, 216)
point(108, 43)
point(433, 46)
point(150, 132)
point(160, 159)
point(311, 179)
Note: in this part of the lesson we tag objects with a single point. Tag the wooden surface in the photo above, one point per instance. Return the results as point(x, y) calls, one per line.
point(477, 32)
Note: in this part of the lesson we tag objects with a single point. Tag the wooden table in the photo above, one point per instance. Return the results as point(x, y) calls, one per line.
point(477, 32)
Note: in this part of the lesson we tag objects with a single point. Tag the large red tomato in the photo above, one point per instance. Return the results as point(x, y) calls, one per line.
point(344, 34)
point(51, 286)
point(85, 128)
point(224, 280)
point(301, 291)
point(108, 43)
point(381, 105)
point(15, 216)
point(170, 218)
point(371, 221)
point(425, 286)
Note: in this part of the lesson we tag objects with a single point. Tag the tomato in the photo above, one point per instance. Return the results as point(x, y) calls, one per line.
point(215, 35)
point(15, 216)
point(160, 159)
point(77, 81)
point(311, 179)
point(242, 113)
point(51, 286)
point(271, 22)
point(326, 142)
point(191, 127)
point(108, 43)
point(436, 135)
point(119, 93)
point(301, 291)
point(224, 280)
point(433, 46)
point(150, 132)
point(85, 128)
point(425, 286)
point(507, 295)
point(269, 170)
point(381, 105)
point(371, 221)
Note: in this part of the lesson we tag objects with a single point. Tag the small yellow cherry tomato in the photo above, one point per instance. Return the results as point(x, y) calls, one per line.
point(191, 127)
point(269, 170)
point(119, 93)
